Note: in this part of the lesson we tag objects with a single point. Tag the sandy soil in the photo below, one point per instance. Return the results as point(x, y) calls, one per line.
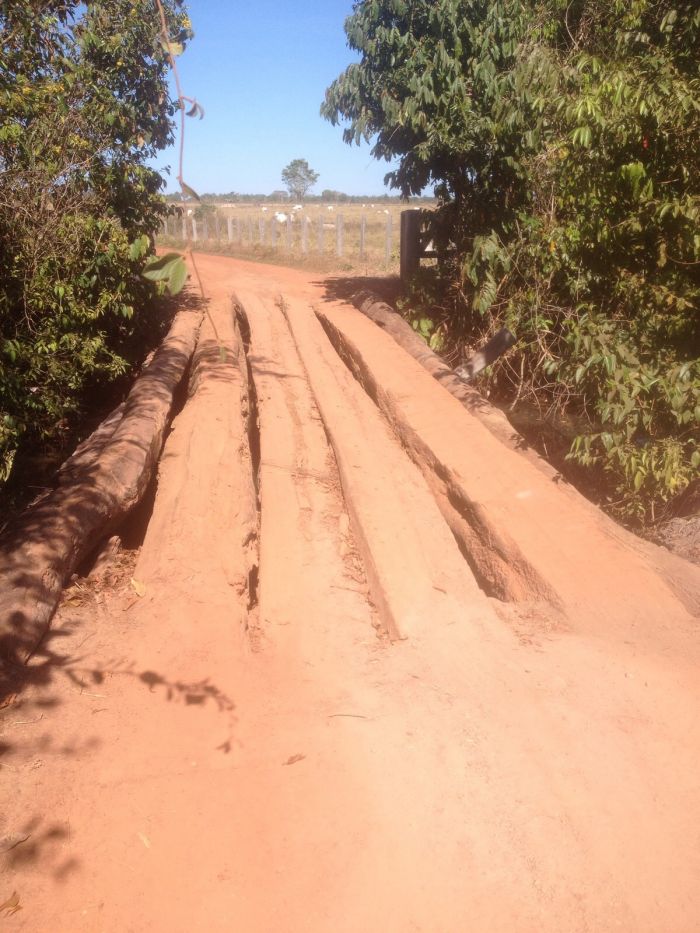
point(299, 706)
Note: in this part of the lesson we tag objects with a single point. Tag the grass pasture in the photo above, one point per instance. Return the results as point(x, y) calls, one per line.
point(321, 236)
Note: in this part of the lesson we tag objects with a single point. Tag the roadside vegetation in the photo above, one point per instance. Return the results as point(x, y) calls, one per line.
point(84, 104)
point(562, 140)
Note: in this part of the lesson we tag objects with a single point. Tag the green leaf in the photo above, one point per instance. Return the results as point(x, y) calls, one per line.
point(582, 136)
point(178, 276)
point(158, 269)
point(139, 247)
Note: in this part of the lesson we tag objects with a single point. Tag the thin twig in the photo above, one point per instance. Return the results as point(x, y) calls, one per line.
point(181, 98)
point(347, 716)
point(26, 722)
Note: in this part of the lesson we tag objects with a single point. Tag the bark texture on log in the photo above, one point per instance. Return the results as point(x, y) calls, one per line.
point(100, 485)
point(674, 567)
point(384, 316)
point(90, 449)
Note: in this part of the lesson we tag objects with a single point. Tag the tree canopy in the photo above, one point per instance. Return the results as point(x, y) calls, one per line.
point(299, 177)
point(84, 105)
point(562, 139)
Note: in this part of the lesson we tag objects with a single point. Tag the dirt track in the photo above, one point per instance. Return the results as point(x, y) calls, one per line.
point(385, 674)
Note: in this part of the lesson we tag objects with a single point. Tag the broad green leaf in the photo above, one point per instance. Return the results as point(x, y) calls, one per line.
point(178, 276)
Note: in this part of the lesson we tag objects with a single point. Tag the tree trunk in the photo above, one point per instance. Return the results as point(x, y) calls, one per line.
point(98, 487)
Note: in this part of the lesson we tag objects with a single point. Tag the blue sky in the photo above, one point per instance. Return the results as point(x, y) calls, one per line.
point(260, 71)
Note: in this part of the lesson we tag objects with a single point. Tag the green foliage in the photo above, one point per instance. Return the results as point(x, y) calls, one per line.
point(562, 138)
point(83, 106)
point(169, 269)
point(298, 177)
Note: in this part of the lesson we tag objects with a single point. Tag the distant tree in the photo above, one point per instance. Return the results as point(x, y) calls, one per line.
point(328, 194)
point(299, 177)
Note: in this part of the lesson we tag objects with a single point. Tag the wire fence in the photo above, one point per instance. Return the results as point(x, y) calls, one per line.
point(359, 238)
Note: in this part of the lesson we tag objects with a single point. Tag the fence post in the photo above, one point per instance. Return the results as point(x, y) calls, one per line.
point(320, 234)
point(249, 230)
point(229, 228)
point(273, 232)
point(363, 231)
point(184, 228)
point(305, 235)
point(239, 231)
point(389, 237)
point(261, 230)
point(194, 230)
point(218, 231)
point(288, 243)
point(205, 230)
point(339, 235)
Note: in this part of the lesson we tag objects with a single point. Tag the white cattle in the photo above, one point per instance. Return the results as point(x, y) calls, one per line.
point(263, 209)
point(280, 217)
point(298, 207)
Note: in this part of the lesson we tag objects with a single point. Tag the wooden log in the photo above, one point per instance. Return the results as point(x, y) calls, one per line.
point(106, 479)
point(675, 571)
point(385, 317)
point(493, 418)
point(90, 449)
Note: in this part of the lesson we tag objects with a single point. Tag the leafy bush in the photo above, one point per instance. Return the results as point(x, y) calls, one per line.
point(562, 138)
point(84, 105)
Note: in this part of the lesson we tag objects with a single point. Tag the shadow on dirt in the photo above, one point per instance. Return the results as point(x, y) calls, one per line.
point(49, 662)
point(342, 288)
point(34, 839)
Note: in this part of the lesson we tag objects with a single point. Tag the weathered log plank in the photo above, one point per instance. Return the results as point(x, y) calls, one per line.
point(90, 449)
point(385, 317)
point(105, 480)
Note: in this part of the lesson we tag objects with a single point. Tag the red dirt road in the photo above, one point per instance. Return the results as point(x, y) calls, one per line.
point(376, 671)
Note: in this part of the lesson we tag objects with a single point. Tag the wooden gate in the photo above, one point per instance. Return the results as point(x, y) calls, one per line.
point(416, 241)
